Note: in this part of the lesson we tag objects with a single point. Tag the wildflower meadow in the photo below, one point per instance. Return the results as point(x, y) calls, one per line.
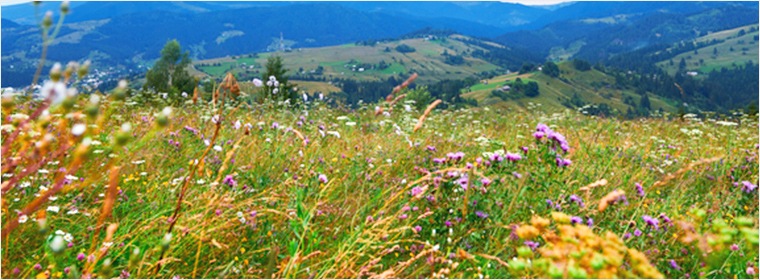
point(130, 184)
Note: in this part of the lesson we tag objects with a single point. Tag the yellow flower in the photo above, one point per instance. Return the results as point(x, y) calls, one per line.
point(242, 250)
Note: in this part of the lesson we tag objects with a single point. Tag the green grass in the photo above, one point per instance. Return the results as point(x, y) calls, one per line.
point(704, 61)
point(393, 69)
point(589, 85)
point(220, 70)
point(427, 60)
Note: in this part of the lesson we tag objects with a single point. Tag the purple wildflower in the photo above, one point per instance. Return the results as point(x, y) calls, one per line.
point(590, 222)
point(549, 203)
point(439, 160)
point(496, 157)
point(67, 270)
point(734, 247)
point(431, 148)
point(748, 187)
point(455, 156)
point(665, 219)
point(275, 125)
point(517, 175)
point(403, 216)
point(651, 222)
point(463, 182)
point(637, 232)
point(193, 130)
point(80, 257)
point(481, 214)
point(513, 157)
point(576, 220)
point(543, 128)
point(627, 235)
point(230, 181)
point(532, 245)
point(322, 178)
point(417, 229)
point(437, 181)
point(124, 274)
point(416, 191)
point(485, 182)
point(674, 265)
point(37, 266)
point(577, 200)
point(448, 223)
point(640, 189)
point(538, 135)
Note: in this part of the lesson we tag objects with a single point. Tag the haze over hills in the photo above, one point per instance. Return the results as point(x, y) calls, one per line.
point(126, 37)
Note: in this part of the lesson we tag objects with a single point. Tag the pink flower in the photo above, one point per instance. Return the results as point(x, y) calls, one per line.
point(485, 182)
point(416, 191)
point(256, 82)
point(323, 178)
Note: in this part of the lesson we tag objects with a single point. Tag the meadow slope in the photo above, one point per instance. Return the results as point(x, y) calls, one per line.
point(330, 193)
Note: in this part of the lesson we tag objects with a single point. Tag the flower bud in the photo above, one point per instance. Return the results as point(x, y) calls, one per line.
point(57, 245)
point(120, 93)
point(166, 241)
point(8, 103)
point(83, 70)
point(122, 137)
point(71, 67)
point(162, 120)
point(106, 269)
point(91, 111)
point(55, 72)
point(83, 150)
point(47, 21)
point(65, 7)
point(134, 258)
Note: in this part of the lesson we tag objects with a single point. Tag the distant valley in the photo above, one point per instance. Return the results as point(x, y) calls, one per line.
point(323, 43)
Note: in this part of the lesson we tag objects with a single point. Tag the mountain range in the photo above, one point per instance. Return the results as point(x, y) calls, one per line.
point(132, 33)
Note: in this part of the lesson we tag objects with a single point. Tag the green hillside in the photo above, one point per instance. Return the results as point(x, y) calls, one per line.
point(590, 87)
point(363, 62)
point(734, 49)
